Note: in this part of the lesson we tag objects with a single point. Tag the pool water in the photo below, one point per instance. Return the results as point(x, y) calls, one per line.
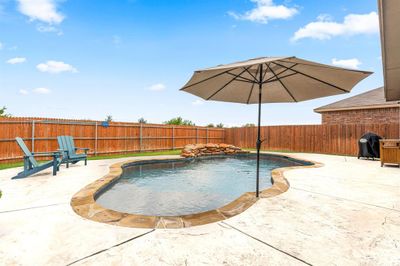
point(188, 186)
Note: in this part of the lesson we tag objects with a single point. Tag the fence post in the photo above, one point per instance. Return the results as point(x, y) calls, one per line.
point(206, 135)
point(33, 136)
point(126, 140)
point(95, 139)
point(173, 137)
point(140, 137)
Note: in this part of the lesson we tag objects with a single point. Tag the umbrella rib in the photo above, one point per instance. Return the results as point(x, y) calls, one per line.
point(252, 87)
point(328, 66)
point(229, 82)
point(265, 73)
point(201, 81)
point(251, 91)
point(254, 77)
point(285, 70)
point(314, 78)
point(281, 82)
point(273, 80)
point(241, 80)
point(244, 79)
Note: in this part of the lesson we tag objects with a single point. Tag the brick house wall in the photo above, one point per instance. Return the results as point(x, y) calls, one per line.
point(362, 116)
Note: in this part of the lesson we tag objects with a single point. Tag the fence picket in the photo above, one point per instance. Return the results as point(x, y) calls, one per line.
point(41, 134)
point(329, 139)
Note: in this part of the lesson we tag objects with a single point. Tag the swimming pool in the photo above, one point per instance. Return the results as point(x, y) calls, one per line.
point(187, 186)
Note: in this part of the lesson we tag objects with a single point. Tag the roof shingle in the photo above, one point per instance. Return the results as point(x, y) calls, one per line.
point(368, 100)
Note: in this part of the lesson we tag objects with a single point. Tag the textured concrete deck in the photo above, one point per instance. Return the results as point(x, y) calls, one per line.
point(345, 213)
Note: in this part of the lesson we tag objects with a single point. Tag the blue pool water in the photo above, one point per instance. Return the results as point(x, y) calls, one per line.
point(188, 186)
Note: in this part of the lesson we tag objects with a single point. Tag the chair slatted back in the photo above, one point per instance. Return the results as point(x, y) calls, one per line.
point(71, 145)
point(67, 143)
point(62, 144)
point(26, 151)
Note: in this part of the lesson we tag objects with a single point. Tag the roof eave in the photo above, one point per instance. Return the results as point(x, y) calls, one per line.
point(378, 106)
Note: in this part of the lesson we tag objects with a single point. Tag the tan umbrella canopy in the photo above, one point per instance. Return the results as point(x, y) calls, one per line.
point(271, 80)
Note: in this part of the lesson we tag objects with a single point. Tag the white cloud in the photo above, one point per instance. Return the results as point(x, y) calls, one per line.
point(264, 11)
point(41, 91)
point(1, 45)
point(157, 87)
point(198, 102)
point(37, 91)
point(353, 63)
point(16, 60)
point(324, 28)
point(47, 28)
point(23, 92)
point(42, 10)
point(55, 67)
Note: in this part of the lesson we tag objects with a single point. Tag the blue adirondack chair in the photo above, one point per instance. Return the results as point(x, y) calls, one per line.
point(31, 166)
point(67, 147)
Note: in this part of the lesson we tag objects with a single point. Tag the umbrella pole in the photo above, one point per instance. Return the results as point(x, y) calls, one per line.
point(258, 144)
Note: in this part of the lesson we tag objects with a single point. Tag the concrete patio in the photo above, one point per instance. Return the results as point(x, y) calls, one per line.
point(344, 213)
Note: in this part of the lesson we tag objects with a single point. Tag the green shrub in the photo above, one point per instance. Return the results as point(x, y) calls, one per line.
point(178, 121)
point(3, 112)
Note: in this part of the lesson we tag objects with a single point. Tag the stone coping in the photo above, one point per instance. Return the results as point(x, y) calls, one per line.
point(84, 202)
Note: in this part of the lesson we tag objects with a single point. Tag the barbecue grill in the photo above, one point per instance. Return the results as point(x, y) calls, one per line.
point(368, 146)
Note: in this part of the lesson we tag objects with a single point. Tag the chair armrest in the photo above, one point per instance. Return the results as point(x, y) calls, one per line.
point(83, 149)
point(56, 155)
point(63, 151)
point(46, 153)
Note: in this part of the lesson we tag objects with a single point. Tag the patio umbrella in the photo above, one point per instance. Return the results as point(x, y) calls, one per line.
point(271, 80)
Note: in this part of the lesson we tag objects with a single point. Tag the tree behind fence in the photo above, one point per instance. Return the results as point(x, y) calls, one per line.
point(41, 135)
point(330, 139)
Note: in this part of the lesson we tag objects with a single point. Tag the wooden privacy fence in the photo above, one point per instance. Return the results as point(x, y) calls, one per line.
point(41, 135)
point(331, 139)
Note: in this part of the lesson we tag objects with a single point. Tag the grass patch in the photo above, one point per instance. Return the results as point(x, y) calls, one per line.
point(104, 157)
point(10, 165)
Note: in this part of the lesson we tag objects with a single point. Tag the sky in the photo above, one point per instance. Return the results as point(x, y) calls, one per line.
point(129, 58)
